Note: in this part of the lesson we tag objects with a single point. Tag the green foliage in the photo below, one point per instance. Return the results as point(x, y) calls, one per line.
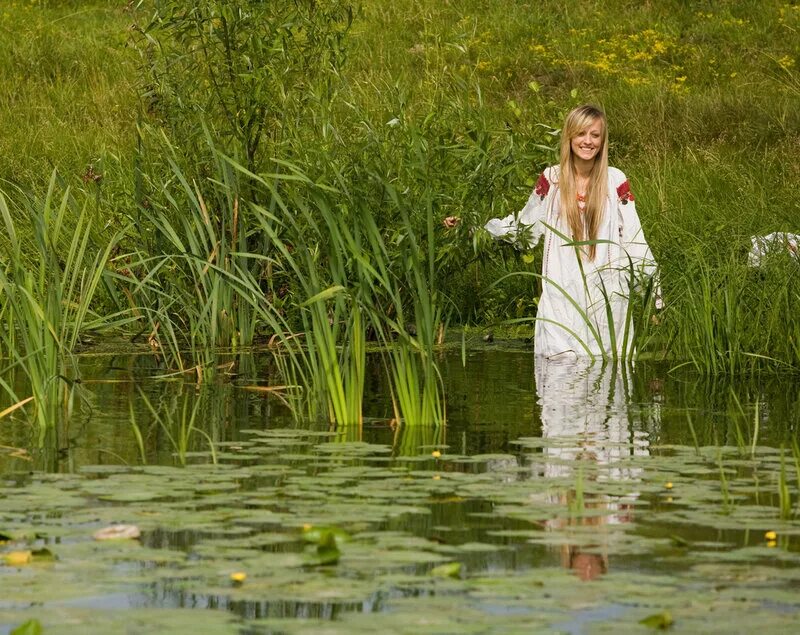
point(247, 69)
point(192, 276)
point(68, 100)
point(29, 627)
point(51, 273)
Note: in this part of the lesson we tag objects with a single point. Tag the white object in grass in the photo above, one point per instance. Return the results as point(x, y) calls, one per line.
point(776, 242)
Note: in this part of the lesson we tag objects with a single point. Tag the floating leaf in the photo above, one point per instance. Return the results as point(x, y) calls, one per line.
point(317, 534)
point(327, 551)
point(42, 555)
point(678, 541)
point(31, 627)
point(661, 620)
point(449, 570)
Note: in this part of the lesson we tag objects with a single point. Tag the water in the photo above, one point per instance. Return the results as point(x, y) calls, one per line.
point(558, 497)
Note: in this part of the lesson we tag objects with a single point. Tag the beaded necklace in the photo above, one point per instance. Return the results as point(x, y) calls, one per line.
point(581, 202)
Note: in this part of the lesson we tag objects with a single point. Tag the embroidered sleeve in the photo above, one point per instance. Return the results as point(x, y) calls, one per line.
point(624, 193)
point(542, 186)
point(525, 228)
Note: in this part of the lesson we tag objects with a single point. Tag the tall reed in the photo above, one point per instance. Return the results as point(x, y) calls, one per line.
point(199, 273)
point(310, 240)
point(50, 277)
point(350, 281)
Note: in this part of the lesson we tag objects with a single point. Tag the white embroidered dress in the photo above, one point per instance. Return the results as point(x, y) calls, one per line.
point(583, 310)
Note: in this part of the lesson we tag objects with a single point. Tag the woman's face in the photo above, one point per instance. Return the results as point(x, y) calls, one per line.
point(586, 144)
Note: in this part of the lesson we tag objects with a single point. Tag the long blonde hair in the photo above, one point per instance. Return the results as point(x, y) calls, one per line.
point(583, 226)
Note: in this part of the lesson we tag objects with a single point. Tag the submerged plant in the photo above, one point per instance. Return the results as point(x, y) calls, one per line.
point(178, 421)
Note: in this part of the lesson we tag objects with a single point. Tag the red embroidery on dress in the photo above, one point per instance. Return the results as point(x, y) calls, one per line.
point(624, 193)
point(542, 186)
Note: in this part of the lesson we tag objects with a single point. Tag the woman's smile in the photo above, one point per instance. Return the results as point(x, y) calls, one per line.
point(586, 144)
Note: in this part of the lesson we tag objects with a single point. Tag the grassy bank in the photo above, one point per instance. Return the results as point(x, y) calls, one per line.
point(353, 129)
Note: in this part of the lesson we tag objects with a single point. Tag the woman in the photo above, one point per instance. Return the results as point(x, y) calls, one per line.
point(594, 249)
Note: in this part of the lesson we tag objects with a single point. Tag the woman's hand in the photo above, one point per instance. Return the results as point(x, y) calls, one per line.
point(451, 221)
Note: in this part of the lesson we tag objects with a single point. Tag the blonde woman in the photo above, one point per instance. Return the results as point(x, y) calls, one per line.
point(595, 252)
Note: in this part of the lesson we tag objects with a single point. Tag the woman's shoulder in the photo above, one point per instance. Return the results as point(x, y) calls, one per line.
point(619, 182)
point(616, 175)
point(551, 173)
point(548, 176)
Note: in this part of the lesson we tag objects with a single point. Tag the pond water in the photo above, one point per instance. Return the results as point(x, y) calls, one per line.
point(558, 498)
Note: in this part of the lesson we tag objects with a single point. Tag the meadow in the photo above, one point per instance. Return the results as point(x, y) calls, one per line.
point(220, 175)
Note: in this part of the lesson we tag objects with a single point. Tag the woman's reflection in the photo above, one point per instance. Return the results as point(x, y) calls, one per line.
point(587, 425)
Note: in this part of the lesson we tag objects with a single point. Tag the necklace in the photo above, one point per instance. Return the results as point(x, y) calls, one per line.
point(581, 202)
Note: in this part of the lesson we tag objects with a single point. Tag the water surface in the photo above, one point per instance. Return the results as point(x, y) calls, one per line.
point(558, 498)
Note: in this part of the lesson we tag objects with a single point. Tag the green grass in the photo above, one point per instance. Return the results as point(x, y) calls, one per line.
point(69, 100)
point(419, 110)
point(52, 271)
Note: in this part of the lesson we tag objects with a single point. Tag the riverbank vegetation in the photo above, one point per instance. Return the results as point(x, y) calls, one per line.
point(235, 173)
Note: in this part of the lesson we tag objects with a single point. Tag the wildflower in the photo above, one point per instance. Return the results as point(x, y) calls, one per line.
point(17, 558)
point(770, 535)
point(436, 454)
point(668, 484)
point(238, 577)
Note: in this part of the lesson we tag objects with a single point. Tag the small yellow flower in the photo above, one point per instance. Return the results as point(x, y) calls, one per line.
point(307, 526)
point(436, 454)
point(17, 558)
point(771, 543)
point(770, 535)
point(238, 577)
point(668, 484)
point(669, 499)
point(436, 477)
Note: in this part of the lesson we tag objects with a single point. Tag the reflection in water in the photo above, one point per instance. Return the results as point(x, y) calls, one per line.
point(490, 404)
point(588, 428)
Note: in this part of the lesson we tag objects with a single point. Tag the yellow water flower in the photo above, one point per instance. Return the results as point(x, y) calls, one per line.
point(238, 577)
point(668, 484)
point(17, 558)
point(770, 535)
point(436, 454)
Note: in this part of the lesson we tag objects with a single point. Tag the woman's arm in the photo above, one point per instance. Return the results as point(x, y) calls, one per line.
point(635, 250)
point(525, 228)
